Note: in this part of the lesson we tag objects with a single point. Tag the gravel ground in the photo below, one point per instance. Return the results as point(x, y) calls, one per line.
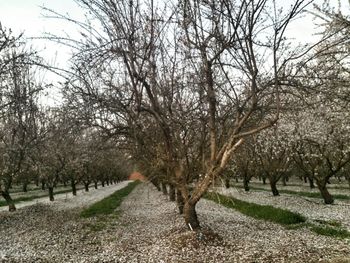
point(312, 208)
point(147, 228)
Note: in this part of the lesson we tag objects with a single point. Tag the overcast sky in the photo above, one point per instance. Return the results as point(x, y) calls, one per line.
point(27, 16)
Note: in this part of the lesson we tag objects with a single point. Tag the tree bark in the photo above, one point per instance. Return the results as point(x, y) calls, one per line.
point(24, 187)
point(246, 184)
point(95, 184)
point(172, 192)
point(6, 195)
point(190, 216)
point(86, 186)
point(107, 182)
point(264, 179)
point(284, 180)
point(227, 183)
point(274, 189)
point(311, 183)
point(51, 193)
point(164, 189)
point(180, 202)
point(43, 185)
point(327, 197)
point(156, 184)
point(74, 187)
point(103, 183)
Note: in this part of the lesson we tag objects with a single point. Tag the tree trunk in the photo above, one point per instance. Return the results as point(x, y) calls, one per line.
point(103, 183)
point(107, 182)
point(86, 186)
point(172, 192)
point(305, 179)
point(264, 179)
point(274, 188)
point(95, 184)
point(74, 187)
point(180, 202)
point(246, 184)
point(164, 189)
point(284, 180)
point(190, 215)
point(43, 185)
point(64, 183)
point(311, 183)
point(51, 193)
point(327, 197)
point(24, 187)
point(6, 195)
point(227, 183)
point(156, 184)
point(236, 179)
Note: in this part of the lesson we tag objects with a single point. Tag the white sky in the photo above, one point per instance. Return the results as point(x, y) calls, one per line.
point(26, 16)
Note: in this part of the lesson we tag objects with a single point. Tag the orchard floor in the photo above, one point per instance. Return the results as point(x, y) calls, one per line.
point(147, 228)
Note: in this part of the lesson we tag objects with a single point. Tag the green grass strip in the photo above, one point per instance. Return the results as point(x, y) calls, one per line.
point(304, 194)
point(331, 231)
point(109, 204)
point(264, 212)
point(284, 217)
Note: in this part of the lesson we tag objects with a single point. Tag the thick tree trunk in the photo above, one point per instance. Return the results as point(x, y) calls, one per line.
point(107, 182)
point(95, 184)
point(51, 193)
point(180, 202)
point(164, 189)
point(103, 183)
point(86, 186)
point(246, 184)
point(74, 187)
point(327, 197)
point(6, 195)
point(305, 179)
point(274, 189)
point(172, 192)
point(227, 183)
point(190, 216)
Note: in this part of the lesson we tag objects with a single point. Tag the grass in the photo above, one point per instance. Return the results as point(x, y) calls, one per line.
point(284, 217)
point(303, 194)
point(264, 212)
point(109, 204)
point(331, 231)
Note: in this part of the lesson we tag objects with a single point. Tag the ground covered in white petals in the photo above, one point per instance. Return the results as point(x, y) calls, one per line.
point(147, 228)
